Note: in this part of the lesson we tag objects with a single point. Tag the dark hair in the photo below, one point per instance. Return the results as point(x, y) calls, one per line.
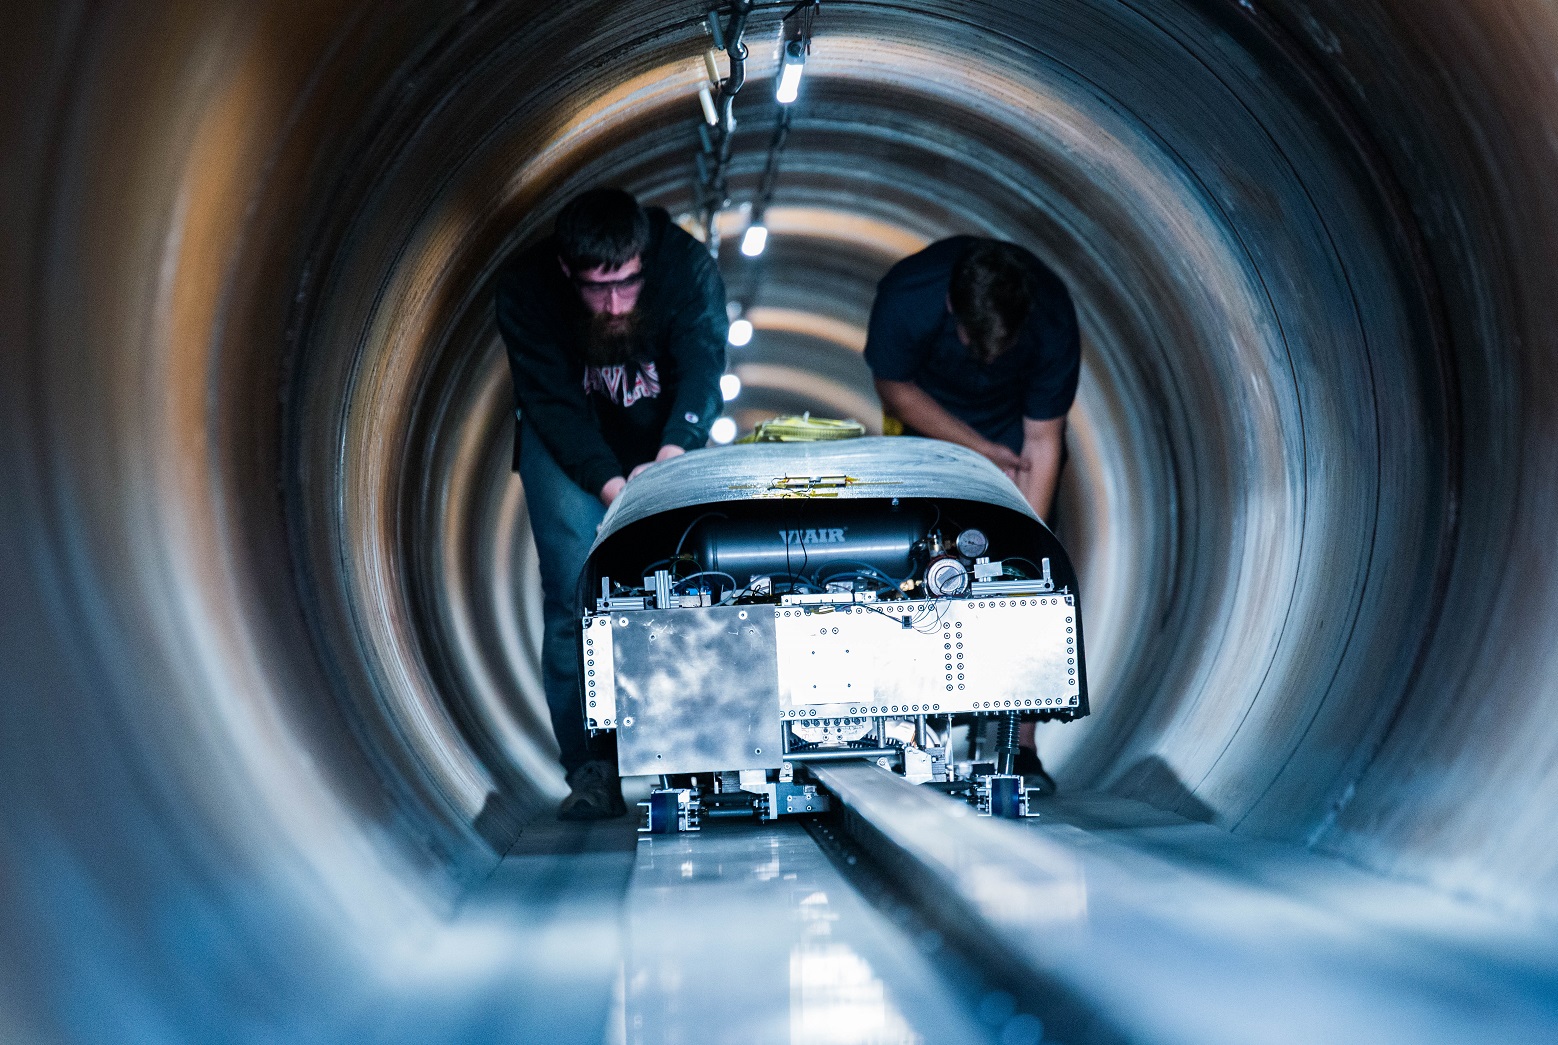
point(601, 228)
point(991, 293)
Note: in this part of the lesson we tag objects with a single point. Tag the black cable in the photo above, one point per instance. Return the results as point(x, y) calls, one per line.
point(776, 144)
point(853, 578)
point(941, 611)
point(795, 579)
point(857, 566)
point(712, 185)
point(727, 38)
point(688, 532)
point(673, 563)
point(781, 135)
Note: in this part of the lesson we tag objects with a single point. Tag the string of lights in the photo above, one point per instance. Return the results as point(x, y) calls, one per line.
point(727, 25)
point(716, 134)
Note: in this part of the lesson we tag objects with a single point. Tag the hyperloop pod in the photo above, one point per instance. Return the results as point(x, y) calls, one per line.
point(750, 610)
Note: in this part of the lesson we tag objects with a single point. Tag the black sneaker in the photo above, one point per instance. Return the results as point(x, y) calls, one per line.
point(1032, 771)
point(596, 794)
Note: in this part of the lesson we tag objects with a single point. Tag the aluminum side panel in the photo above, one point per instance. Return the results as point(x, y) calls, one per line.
point(953, 656)
point(696, 689)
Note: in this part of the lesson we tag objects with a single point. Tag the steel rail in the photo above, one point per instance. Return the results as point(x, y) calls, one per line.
point(1181, 932)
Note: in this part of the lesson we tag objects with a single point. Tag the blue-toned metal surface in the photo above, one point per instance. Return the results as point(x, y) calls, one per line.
point(1182, 933)
point(696, 690)
point(663, 807)
point(1006, 797)
point(750, 936)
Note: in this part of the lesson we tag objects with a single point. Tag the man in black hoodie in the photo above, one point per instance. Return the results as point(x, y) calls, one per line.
point(616, 328)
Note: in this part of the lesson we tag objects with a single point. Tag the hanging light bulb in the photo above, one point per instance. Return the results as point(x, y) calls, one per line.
point(729, 387)
point(723, 430)
point(790, 72)
point(755, 240)
point(741, 332)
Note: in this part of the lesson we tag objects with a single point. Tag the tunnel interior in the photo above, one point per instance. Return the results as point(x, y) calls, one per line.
point(273, 616)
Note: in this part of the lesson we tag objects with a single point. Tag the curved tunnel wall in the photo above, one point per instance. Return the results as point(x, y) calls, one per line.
point(270, 612)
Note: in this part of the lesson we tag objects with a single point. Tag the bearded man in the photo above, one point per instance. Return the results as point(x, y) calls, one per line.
point(616, 328)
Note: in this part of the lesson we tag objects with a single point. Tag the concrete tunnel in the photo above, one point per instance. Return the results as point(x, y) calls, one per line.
point(270, 604)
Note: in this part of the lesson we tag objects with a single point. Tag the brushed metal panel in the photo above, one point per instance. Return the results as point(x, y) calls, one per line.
point(953, 656)
point(696, 690)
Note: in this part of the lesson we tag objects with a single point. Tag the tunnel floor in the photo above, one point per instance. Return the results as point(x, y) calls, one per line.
point(740, 933)
point(1166, 929)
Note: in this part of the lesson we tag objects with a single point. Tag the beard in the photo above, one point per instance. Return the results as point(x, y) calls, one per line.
point(608, 340)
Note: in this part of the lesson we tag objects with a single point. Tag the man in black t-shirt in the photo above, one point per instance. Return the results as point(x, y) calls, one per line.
point(615, 327)
point(975, 341)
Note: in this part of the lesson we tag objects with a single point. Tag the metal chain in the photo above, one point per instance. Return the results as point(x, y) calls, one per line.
point(727, 26)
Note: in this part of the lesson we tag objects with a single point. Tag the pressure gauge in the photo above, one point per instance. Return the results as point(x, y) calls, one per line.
point(972, 544)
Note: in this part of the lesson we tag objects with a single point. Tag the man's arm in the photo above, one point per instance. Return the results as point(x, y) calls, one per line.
point(911, 404)
point(699, 328)
point(1043, 443)
point(1052, 388)
point(903, 323)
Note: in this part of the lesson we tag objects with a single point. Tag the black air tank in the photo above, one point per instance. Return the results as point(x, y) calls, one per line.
point(831, 538)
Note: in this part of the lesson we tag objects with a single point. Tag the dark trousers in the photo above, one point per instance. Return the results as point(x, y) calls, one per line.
point(563, 518)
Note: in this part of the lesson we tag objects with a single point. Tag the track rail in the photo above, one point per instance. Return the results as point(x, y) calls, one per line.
point(982, 883)
point(1181, 932)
